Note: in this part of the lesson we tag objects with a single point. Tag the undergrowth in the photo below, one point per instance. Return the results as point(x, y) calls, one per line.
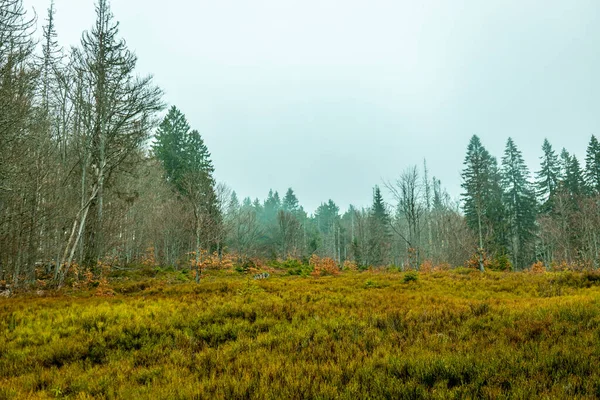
point(456, 334)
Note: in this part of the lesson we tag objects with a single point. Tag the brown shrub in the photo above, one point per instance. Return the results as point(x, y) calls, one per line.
point(323, 266)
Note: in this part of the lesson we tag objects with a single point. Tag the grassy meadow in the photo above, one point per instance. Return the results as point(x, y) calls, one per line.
point(359, 335)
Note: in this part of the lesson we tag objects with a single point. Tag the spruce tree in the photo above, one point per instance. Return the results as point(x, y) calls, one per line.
point(327, 218)
point(188, 167)
point(564, 161)
point(290, 201)
point(438, 196)
point(519, 205)
point(574, 183)
point(592, 166)
point(482, 198)
point(234, 203)
point(496, 212)
point(548, 177)
point(170, 146)
point(378, 209)
point(379, 235)
point(290, 226)
point(271, 207)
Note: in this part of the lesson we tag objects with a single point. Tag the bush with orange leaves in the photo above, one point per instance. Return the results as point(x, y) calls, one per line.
point(103, 289)
point(537, 268)
point(323, 266)
point(211, 261)
point(563, 265)
point(473, 262)
point(350, 266)
point(426, 266)
point(148, 259)
point(442, 267)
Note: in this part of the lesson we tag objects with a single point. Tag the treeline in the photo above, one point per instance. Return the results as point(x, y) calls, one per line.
point(553, 219)
point(425, 225)
point(91, 175)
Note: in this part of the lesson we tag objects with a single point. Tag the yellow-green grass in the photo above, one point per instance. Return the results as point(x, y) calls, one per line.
point(355, 336)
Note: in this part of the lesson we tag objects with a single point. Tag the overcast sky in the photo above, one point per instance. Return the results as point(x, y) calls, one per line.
point(334, 97)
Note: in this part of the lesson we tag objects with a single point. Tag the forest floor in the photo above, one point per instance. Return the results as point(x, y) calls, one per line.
point(359, 335)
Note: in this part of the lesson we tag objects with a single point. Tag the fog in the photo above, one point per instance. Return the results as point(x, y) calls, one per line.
point(333, 97)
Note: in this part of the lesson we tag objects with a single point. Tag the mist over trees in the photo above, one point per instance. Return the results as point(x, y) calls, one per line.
point(92, 171)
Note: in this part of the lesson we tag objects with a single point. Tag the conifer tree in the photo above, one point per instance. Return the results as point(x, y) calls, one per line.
point(481, 202)
point(564, 161)
point(519, 205)
point(379, 235)
point(290, 201)
point(592, 166)
point(189, 169)
point(573, 183)
point(378, 209)
point(234, 203)
point(548, 177)
point(271, 207)
point(170, 147)
point(327, 219)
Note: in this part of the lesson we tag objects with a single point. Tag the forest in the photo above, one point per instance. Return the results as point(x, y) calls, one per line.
point(95, 168)
point(128, 271)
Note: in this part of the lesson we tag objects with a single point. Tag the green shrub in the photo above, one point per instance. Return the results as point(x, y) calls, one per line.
point(410, 277)
point(303, 270)
point(370, 284)
point(501, 263)
point(245, 266)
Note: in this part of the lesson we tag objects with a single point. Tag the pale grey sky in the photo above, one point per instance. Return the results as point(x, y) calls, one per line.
point(333, 97)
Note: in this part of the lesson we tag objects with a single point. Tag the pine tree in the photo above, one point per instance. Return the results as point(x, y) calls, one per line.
point(592, 166)
point(519, 204)
point(564, 161)
point(379, 237)
point(573, 183)
point(378, 209)
point(496, 212)
point(548, 177)
point(438, 196)
point(290, 201)
point(189, 169)
point(234, 203)
point(327, 218)
point(482, 197)
point(169, 147)
point(271, 207)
